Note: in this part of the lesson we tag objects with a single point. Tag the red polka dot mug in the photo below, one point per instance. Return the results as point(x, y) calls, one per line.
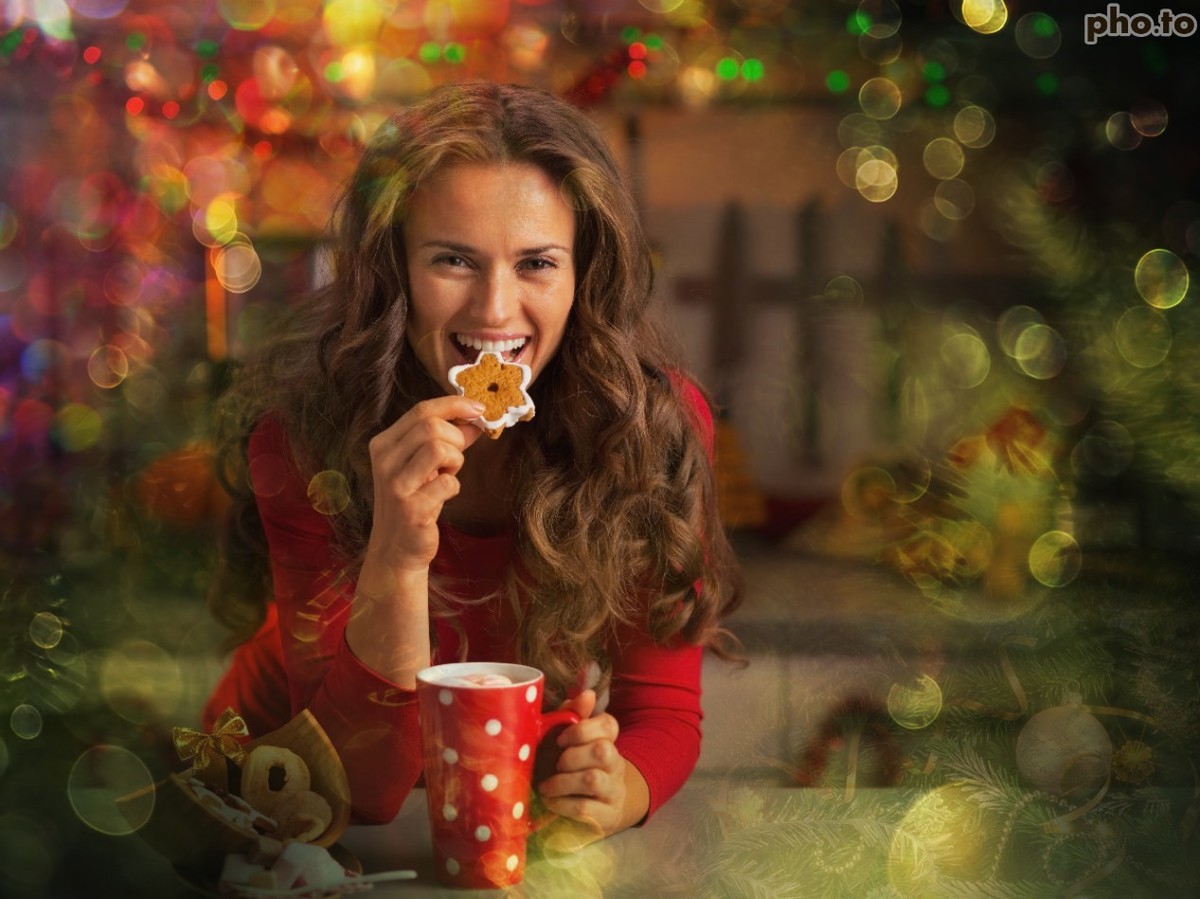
point(481, 723)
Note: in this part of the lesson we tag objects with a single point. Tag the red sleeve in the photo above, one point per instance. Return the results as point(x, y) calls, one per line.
point(655, 695)
point(371, 722)
point(655, 692)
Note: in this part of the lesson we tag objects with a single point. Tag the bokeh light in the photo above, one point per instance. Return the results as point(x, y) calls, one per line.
point(1143, 337)
point(107, 366)
point(915, 704)
point(1040, 351)
point(247, 15)
point(859, 130)
point(268, 474)
point(965, 359)
point(101, 776)
point(1121, 133)
point(1149, 118)
point(944, 838)
point(1038, 35)
point(661, 6)
point(349, 23)
point(877, 180)
point(866, 493)
point(954, 198)
point(844, 290)
point(1162, 278)
point(1106, 449)
point(99, 9)
point(1012, 322)
point(237, 267)
point(141, 681)
point(943, 158)
point(46, 630)
point(878, 19)
point(25, 720)
point(77, 427)
point(879, 98)
point(329, 492)
point(1055, 559)
point(974, 126)
point(984, 16)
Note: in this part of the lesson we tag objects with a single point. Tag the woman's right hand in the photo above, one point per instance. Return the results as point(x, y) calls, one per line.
point(414, 465)
point(414, 468)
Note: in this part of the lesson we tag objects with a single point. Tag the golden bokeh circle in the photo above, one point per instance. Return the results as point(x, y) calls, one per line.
point(26, 721)
point(966, 359)
point(1143, 336)
point(1040, 351)
point(876, 180)
point(329, 492)
point(880, 98)
point(107, 366)
point(1055, 559)
point(954, 198)
point(943, 158)
point(1012, 323)
point(868, 493)
point(141, 681)
point(946, 837)
point(844, 290)
point(974, 127)
point(102, 775)
point(1162, 278)
point(985, 16)
point(915, 704)
point(46, 630)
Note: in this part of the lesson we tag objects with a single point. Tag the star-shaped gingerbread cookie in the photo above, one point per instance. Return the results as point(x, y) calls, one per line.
point(500, 386)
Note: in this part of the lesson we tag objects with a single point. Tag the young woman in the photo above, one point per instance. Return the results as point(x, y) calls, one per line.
point(373, 532)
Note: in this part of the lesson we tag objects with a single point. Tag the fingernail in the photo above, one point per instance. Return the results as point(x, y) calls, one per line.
point(477, 407)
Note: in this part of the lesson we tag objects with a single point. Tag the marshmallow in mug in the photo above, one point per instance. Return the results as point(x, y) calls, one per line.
point(481, 679)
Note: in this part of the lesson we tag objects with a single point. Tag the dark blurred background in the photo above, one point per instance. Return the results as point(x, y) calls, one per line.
point(932, 259)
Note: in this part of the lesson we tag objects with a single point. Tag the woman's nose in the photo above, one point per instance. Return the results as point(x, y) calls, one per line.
point(497, 297)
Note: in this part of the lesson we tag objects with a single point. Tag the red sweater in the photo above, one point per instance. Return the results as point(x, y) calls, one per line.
point(299, 657)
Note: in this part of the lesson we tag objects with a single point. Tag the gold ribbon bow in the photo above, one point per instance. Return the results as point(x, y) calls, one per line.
point(203, 748)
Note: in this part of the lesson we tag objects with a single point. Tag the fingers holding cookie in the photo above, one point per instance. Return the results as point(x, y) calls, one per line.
point(414, 466)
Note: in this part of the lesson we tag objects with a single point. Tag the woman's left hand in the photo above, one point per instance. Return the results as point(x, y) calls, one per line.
point(594, 785)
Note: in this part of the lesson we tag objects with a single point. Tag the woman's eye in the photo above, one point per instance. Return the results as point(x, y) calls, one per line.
point(538, 264)
point(452, 261)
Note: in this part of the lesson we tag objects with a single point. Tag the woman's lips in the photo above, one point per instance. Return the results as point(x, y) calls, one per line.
point(469, 346)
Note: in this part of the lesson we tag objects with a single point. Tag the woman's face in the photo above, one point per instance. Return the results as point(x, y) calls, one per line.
point(491, 266)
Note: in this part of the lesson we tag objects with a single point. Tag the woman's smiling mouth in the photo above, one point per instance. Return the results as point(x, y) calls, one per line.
point(470, 346)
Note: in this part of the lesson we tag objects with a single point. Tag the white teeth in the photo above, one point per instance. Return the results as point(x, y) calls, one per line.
point(491, 346)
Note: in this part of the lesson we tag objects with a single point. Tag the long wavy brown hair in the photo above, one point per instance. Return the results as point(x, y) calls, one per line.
point(616, 517)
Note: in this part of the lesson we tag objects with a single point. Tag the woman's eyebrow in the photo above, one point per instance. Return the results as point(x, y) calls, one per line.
point(537, 251)
point(465, 249)
point(447, 245)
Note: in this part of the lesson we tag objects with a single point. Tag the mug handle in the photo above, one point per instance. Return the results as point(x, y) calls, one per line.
point(554, 719)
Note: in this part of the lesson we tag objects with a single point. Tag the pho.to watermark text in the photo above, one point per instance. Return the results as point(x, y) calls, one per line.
point(1114, 23)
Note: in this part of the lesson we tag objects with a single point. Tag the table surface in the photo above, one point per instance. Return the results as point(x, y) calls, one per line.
point(726, 836)
point(653, 860)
